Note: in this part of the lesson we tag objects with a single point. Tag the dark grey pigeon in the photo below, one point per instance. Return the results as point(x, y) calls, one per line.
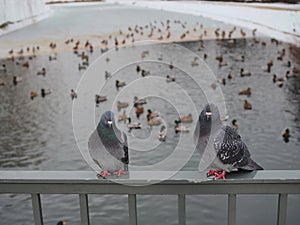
point(108, 146)
point(220, 147)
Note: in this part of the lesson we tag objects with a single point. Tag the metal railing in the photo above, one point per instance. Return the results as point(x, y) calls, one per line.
point(280, 182)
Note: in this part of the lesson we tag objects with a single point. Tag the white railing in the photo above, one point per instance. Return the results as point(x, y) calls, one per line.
point(281, 182)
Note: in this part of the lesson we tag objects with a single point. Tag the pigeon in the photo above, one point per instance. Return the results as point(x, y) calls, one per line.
point(221, 147)
point(108, 147)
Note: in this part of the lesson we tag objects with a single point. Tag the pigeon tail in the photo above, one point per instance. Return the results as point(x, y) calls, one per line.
point(251, 166)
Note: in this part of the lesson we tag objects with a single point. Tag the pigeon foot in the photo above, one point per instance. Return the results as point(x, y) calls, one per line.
point(213, 172)
point(220, 175)
point(104, 174)
point(217, 173)
point(119, 173)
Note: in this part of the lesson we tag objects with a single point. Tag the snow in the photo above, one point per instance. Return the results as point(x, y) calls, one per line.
point(21, 13)
point(281, 21)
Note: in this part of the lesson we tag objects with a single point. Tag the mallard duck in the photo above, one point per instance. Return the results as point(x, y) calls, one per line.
point(151, 115)
point(229, 76)
point(145, 72)
point(245, 92)
point(239, 58)
point(244, 72)
point(120, 84)
point(123, 117)
point(133, 125)
point(121, 105)
point(234, 125)
point(73, 94)
point(278, 80)
point(186, 119)
point(26, 64)
point(180, 128)
point(287, 64)
point(99, 99)
point(81, 67)
point(138, 101)
point(286, 134)
point(33, 94)
point(16, 80)
point(247, 105)
point(139, 110)
point(41, 72)
point(223, 64)
point(3, 68)
point(45, 92)
point(61, 223)
point(154, 122)
point(170, 78)
point(162, 135)
point(219, 58)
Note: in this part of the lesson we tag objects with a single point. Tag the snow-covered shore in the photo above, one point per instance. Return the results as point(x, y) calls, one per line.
point(16, 14)
point(281, 21)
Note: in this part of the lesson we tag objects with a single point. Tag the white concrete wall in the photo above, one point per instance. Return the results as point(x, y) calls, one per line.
point(21, 13)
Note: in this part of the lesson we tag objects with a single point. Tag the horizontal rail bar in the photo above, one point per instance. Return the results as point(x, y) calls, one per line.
point(86, 182)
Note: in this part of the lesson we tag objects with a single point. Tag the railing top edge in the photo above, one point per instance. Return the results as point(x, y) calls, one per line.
point(140, 177)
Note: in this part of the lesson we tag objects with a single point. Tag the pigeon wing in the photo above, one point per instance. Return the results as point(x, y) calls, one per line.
point(230, 148)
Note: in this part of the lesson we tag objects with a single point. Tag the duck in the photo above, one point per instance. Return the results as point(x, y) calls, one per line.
point(278, 80)
point(121, 105)
point(99, 99)
point(154, 122)
point(247, 105)
point(133, 125)
point(151, 115)
point(162, 135)
point(120, 84)
point(73, 94)
point(61, 222)
point(107, 75)
point(41, 72)
point(81, 67)
point(52, 57)
point(3, 68)
point(123, 117)
point(239, 58)
point(287, 64)
point(229, 76)
point(245, 92)
point(234, 125)
point(170, 78)
point(138, 110)
point(33, 94)
point(138, 101)
point(16, 80)
point(244, 72)
point(219, 58)
point(223, 64)
point(26, 64)
point(180, 128)
point(2, 84)
point(145, 72)
point(286, 134)
point(186, 119)
point(45, 92)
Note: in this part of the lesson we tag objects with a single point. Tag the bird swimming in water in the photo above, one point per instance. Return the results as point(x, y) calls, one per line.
point(108, 147)
point(221, 147)
point(286, 135)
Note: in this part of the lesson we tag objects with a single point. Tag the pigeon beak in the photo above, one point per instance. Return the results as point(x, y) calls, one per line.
point(109, 122)
point(208, 115)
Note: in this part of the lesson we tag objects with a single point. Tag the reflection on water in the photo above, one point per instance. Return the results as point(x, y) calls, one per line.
point(37, 134)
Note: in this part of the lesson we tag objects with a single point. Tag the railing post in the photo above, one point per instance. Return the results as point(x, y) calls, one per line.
point(37, 209)
point(282, 206)
point(181, 209)
point(132, 209)
point(84, 209)
point(232, 209)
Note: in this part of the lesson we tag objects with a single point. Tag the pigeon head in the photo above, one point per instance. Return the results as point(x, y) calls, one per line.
point(107, 119)
point(209, 115)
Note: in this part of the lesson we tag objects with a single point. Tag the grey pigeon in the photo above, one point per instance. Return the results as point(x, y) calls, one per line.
point(108, 146)
point(221, 147)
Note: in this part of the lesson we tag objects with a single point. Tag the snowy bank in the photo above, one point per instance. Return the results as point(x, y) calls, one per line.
point(280, 21)
point(15, 14)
